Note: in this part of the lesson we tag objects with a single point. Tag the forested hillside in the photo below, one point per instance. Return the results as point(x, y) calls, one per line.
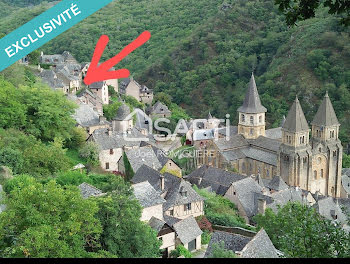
point(202, 53)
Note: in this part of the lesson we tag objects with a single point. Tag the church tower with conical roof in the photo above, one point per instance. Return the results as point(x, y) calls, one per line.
point(295, 154)
point(251, 122)
point(327, 151)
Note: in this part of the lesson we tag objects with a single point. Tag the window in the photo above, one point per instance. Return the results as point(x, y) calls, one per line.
point(187, 207)
point(304, 159)
point(334, 153)
point(321, 173)
point(107, 166)
point(243, 167)
point(320, 149)
point(315, 175)
point(267, 173)
point(260, 119)
point(251, 131)
point(242, 118)
point(111, 152)
point(171, 212)
point(251, 120)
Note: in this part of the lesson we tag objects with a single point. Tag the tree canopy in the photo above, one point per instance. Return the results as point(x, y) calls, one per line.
point(300, 232)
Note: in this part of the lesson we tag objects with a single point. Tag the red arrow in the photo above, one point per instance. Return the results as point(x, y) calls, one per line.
point(97, 73)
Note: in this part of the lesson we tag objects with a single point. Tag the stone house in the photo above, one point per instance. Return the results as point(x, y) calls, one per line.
point(112, 145)
point(87, 118)
point(141, 93)
point(112, 82)
point(260, 246)
point(101, 90)
point(165, 233)
point(181, 200)
point(50, 78)
point(158, 110)
point(188, 233)
point(150, 200)
point(91, 99)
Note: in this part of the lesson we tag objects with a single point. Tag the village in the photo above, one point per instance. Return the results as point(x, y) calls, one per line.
point(253, 167)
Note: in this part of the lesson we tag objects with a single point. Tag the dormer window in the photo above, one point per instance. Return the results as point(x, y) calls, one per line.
point(111, 152)
point(251, 120)
point(260, 119)
point(243, 118)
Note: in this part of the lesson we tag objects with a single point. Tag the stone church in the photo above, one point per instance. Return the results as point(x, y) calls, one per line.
point(313, 163)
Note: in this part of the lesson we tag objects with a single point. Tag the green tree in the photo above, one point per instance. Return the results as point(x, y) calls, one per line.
point(46, 220)
point(346, 161)
point(90, 152)
point(299, 231)
point(123, 233)
point(38, 159)
point(12, 158)
point(297, 10)
point(110, 110)
point(219, 251)
point(129, 172)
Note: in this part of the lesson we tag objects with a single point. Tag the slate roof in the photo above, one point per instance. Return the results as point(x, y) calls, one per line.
point(277, 184)
point(160, 154)
point(233, 130)
point(260, 155)
point(296, 121)
point(219, 180)
point(233, 242)
point(281, 198)
point(246, 190)
point(232, 155)
point(187, 229)
point(325, 115)
point(122, 112)
point(252, 102)
point(235, 141)
point(265, 143)
point(97, 85)
point(170, 220)
point(156, 224)
point(160, 108)
point(274, 133)
point(50, 78)
point(145, 173)
point(144, 155)
point(181, 192)
point(116, 140)
point(329, 206)
point(147, 195)
point(345, 179)
point(259, 247)
point(88, 190)
point(85, 116)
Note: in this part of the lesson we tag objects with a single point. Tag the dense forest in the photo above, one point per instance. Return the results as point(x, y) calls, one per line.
point(202, 53)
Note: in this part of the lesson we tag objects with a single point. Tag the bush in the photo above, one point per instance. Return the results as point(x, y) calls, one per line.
point(73, 178)
point(219, 251)
point(204, 223)
point(90, 152)
point(180, 251)
point(206, 235)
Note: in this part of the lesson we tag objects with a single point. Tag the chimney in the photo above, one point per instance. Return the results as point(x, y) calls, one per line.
point(261, 206)
point(162, 182)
